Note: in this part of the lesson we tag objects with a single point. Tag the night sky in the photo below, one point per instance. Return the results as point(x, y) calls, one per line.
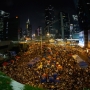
point(34, 9)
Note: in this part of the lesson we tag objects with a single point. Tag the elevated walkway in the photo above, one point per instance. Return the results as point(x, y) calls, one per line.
point(4, 43)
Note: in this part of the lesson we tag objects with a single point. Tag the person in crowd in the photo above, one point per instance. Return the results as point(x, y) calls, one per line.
point(54, 68)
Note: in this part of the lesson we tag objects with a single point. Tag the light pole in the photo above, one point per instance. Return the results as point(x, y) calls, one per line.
point(47, 27)
point(41, 44)
point(41, 39)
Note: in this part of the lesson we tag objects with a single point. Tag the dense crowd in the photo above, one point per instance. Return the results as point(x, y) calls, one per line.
point(55, 70)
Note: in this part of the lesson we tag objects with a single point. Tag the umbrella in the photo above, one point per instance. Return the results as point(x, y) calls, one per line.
point(44, 75)
point(55, 75)
point(12, 61)
point(51, 79)
point(30, 64)
point(57, 80)
point(43, 79)
point(59, 67)
point(43, 59)
point(83, 64)
point(49, 57)
point(5, 64)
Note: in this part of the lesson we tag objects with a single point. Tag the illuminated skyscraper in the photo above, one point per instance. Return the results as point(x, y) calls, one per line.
point(28, 29)
point(49, 18)
point(38, 31)
point(4, 25)
point(76, 28)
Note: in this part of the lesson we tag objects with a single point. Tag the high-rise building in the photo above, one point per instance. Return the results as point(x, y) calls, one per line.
point(38, 31)
point(14, 31)
point(49, 19)
point(64, 25)
point(76, 29)
point(20, 34)
point(83, 11)
point(4, 25)
point(28, 29)
point(75, 3)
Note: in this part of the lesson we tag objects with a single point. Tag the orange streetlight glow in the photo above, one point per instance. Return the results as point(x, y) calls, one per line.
point(16, 16)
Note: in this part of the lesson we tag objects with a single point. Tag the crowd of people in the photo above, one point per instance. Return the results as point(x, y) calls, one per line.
point(55, 70)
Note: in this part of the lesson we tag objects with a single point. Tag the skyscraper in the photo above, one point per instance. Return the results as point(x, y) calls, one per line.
point(4, 25)
point(64, 25)
point(75, 3)
point(76, 28)
point(49, 19)
point(28, 29)
point(38, 31)
point(14, 28)
point(83, 11)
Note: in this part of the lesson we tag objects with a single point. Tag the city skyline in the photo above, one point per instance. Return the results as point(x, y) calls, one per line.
point(34, 10)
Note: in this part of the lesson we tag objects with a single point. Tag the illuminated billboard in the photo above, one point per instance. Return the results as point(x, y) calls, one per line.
point(81, 38)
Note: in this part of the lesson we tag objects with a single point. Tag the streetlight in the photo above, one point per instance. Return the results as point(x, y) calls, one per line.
point(48, 36)
point(87, 50)
point(41, 43)
point(33, 36)
point(41, 38)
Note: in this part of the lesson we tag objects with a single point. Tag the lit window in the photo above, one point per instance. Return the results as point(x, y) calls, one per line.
point(16, 16)
point(6, 32)
point(2, 12)
point(79, 12)
point(82, 21)
point(88, 3)
point(63, 16)
point(27, 26)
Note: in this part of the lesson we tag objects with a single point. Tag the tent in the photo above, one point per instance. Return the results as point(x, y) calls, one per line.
point(12, 53)
point(30, 64)
point(80, 61)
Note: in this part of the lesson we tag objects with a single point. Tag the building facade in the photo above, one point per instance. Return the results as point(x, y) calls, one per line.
point(49, 19)
point(28, 29)
point(4, 25)
point(74, 32)
point(14, 28)
point(83, 12)
point(64, 25)
point(76, 3)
